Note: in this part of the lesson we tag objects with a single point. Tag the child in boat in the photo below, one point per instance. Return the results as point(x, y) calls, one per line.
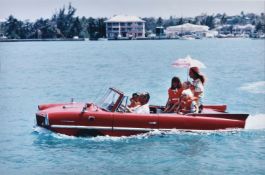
point(174, 93)
point(187, 104)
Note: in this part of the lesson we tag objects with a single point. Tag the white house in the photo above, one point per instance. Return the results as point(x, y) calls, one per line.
point(243, 29)
point(186, 29)
point(122, 26)
point(236, 30)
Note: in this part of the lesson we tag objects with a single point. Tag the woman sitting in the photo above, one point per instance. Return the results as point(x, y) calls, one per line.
point(174, 93)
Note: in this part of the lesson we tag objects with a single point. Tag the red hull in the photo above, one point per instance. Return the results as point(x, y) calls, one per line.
point(70, 119)
point(110, 118)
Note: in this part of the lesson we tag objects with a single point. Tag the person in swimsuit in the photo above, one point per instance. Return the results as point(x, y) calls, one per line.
point(174, 93)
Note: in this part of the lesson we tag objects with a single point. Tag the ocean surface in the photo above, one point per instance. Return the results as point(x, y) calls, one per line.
point(33, 73)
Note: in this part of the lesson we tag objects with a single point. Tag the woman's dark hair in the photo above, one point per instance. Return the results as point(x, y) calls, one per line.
point(176, 79)
point(200, 76)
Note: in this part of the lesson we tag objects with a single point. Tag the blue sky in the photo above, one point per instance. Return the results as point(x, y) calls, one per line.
point(34, 9)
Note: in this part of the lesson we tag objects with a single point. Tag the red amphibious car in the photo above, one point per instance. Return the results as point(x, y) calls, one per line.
point(110, 117)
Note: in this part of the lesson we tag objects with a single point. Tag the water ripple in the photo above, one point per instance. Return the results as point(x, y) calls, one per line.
point(254, 87)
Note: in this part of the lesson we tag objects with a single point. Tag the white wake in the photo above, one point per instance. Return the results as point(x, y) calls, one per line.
point(255, 122)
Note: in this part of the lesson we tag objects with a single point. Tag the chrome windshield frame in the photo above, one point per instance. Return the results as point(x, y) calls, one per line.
point(116, 97)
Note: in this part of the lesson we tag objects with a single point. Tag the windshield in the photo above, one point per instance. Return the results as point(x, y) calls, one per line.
point(109, 100)
point(123, 106)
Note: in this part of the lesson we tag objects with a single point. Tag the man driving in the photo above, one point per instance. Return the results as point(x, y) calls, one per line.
point(143, 108)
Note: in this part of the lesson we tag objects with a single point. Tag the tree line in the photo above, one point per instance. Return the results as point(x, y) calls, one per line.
point(64, 24)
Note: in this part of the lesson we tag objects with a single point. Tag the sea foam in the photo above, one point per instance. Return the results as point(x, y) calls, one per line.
point(254, 87)
point(255, 122)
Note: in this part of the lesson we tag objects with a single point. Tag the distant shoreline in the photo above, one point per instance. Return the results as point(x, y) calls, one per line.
point(27, 40)
point(100, 39)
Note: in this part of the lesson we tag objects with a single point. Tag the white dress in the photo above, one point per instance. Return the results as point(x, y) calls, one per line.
point(199, 89)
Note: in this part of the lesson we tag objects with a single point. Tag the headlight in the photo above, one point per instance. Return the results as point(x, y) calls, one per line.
point(46, 120)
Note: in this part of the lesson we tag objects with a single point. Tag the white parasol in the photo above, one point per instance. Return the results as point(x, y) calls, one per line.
point(188, 62)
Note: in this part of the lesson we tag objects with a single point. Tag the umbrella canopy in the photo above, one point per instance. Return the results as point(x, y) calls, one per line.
point(187, 62)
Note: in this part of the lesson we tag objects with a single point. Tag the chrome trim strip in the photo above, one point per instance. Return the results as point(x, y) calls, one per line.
point(68, 121)
point(121, 128)
point(101, 128)
point(81, 127)
point(166, 129)
point(131, 129)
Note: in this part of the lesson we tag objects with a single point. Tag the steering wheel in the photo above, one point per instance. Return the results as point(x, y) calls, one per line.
point(122, 108)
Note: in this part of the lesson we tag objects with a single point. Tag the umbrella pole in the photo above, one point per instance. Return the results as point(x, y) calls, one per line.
point(188, 74)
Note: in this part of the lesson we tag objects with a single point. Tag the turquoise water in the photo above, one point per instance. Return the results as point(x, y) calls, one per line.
point(32, 73)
